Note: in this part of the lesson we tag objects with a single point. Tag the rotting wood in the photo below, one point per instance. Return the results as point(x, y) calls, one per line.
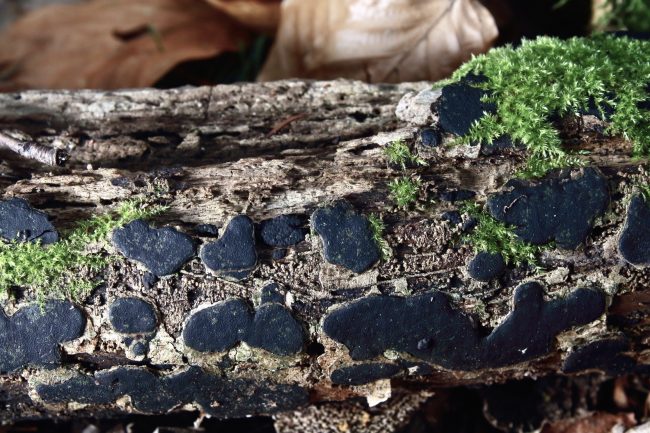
point(208, 155)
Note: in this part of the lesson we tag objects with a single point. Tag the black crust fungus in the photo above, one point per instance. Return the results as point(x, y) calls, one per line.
point(283, 231)
point(275, 330)
point(364, 373)
point(271, 293)
point(162, 251)
point(634, 242)
point(218, 327)
point(21, 222)
point(430, 137)
point(452, 216)
point(207, 230)
point(132, 316)
point(347, 236)
point(157, 394)
point(233, 255)
point(607, 109)
point(32, 336)
point(499, 145)
point(559, 209)
point(605, 355)
point(221, 326)
point(370, 326)
point(486, 266)
point(279, 253)
point(460, 105)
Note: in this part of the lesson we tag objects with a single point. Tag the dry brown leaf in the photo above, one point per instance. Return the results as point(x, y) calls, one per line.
point(259, 15)
point(377, 40)
point(112, 43)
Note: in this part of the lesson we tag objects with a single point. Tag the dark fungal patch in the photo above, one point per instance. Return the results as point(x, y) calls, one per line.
point(364, 373)
point(221, 326)
point(634, 242)
point(370, 326)
point(452, 216)
point(275, 330)
point(560, 209)
point(347, 237)
point(460, 104)
point(218, 327)
point(486, 266)
point(605, 355)
point(430, 137)
point(469, 224)
point(233, 255)
point(150, 393)
point(32, 336)
point(132, 316)
point(21, 222)
point(139, 348)
point(279, 253)
point(162, 251)
point(603, 112)
point(207, 230)
point(283, 231)
point(499, 145)
point(271, 293)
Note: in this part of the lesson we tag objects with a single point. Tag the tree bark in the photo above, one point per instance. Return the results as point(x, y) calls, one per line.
point(294, 147)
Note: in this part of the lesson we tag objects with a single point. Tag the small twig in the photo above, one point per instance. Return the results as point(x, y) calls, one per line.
point(35, 151)
point(285, 122)
point(512, 203)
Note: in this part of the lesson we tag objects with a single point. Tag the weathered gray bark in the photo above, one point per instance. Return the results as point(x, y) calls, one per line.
point(290, 147)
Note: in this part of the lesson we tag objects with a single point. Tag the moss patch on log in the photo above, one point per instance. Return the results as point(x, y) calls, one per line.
point(548, 77)
point(58, 270)
point(493, 236)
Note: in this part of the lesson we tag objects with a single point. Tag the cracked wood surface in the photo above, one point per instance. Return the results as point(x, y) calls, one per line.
point(289, 147)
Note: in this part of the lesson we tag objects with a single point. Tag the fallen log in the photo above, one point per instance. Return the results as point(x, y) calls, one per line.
point(276, 271)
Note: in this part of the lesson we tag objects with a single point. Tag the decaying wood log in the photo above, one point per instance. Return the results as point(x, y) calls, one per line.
point(269, 294)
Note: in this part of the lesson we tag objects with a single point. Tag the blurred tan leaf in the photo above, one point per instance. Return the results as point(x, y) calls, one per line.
point(260, 15)
point(377, 40)
point(112, 43)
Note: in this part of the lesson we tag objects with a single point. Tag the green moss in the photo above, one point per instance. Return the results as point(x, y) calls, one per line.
point(644, 189)
point(549, 76)
point(398, 153)
point(404, 190)
point(377, 226)
point(494, 236)
point(59, 269)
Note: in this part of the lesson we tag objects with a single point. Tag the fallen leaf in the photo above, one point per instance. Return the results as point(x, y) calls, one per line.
point(259, 15)
point(112, 43)
point(377, 40)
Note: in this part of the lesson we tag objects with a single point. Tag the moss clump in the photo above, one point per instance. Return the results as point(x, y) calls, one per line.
point(377, 227)
point(398, 153)
point(404, 190)
point(493, 236)
point(57, 270)
point(548, 76)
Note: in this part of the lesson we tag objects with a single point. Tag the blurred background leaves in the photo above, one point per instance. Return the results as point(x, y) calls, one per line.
point(108, 44)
